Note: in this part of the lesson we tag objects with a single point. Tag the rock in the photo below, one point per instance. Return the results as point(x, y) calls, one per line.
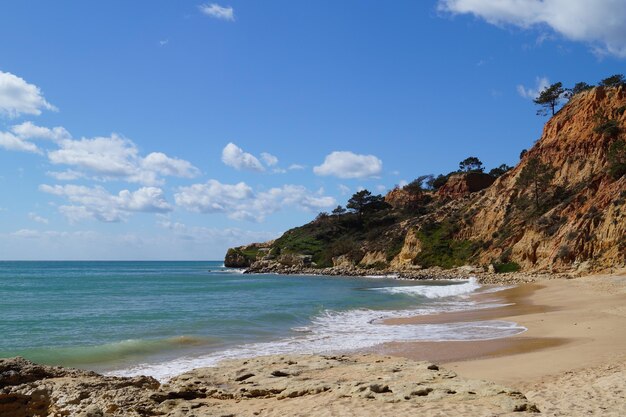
point(463, 184)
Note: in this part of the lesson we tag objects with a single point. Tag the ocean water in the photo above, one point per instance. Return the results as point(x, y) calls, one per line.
point(163, 318)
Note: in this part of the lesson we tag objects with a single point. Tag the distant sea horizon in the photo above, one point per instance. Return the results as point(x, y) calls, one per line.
point(162, 318)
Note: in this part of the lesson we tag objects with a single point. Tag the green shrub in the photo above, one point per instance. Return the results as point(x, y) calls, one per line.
point(502, 268)
point(617, 158)
point(440, 249)
point(609, 128)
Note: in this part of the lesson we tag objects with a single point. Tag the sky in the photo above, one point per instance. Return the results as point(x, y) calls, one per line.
point(172, 130)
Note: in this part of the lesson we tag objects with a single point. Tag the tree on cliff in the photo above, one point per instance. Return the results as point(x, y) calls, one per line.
point(338, 210)
point(536, 176)
point(579, 88)
point(617, 159)
point(549, 98)
point(499, 171)
point(417, 185)
point(471, 164)
point(613, 81)
point(363, 201)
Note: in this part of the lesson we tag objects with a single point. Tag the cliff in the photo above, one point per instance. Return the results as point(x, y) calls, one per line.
point(562, 208)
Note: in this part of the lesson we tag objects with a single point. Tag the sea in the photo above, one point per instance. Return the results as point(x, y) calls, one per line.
point(164, 318)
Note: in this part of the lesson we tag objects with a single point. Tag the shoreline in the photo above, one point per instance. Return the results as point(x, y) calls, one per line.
point(571, 324)
point(570, 361)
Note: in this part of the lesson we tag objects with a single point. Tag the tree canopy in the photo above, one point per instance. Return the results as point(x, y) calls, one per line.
point(579, 88)
point(550, 98)
point(613, 81)
point(499, 171)
point(471, 164)
point(363, 200)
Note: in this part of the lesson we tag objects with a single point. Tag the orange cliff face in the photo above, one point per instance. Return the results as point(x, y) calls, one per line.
point(585, 225)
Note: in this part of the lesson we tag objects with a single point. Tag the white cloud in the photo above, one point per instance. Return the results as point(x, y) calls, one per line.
point(269, 159)
point(218, 12)
point(231, 236)
point(11, 142)
point(18, 97)
point(68, 175)
point(118, 158)
point(97, 203)
point(240, 202)
point(381, 188)
point(344, 164)
point(213, 197)
point(164, 165)
point(234, 156)
point(296, 167)
point(599, 22)
point(343, 189)
point(36, 218)
point(533, 92)
point(28, 130)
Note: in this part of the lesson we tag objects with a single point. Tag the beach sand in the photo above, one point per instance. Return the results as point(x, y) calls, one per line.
point(572, 359)
point(570, 362)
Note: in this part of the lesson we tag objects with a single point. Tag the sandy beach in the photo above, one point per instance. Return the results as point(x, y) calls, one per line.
point(570, 362)
point(572, 359)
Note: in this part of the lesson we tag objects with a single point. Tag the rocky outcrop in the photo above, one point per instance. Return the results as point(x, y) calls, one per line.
point(462, 184)
point(373, 259)
point(403, 199)
point(287, 385)
point(410, 249)
point(244, 256)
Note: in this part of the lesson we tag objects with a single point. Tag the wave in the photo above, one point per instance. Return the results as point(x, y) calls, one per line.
point(228, 271)
point(435, 291)
point(343, 332)
point(112, 352)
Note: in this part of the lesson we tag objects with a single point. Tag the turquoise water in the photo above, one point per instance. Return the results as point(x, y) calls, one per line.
point(159, 317)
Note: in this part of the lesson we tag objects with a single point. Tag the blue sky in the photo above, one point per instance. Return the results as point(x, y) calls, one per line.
point(175, 129)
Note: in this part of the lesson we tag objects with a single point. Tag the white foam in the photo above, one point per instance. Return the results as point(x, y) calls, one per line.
point(341, 332)
point(435, 291)
point(388, 276)
point(333, 331)
point(230, 271)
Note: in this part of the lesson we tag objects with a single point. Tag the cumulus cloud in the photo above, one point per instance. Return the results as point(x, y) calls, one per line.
point(28, 130)
point(18, 97)
point(240, 202)
point(164, 165)
point(11, 142)
point(114, 157)
point(234, 156)
point(296, 167)
point(345, 164)
point(97, 203)
point(218, 12)
point(599, 22)
point(269, 159)
point(533, 92)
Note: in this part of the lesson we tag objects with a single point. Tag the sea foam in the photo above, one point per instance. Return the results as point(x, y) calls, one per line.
point(435, 291)
point(344, 331)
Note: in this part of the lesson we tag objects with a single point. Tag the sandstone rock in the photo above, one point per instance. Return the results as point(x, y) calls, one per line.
point(462, 184)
